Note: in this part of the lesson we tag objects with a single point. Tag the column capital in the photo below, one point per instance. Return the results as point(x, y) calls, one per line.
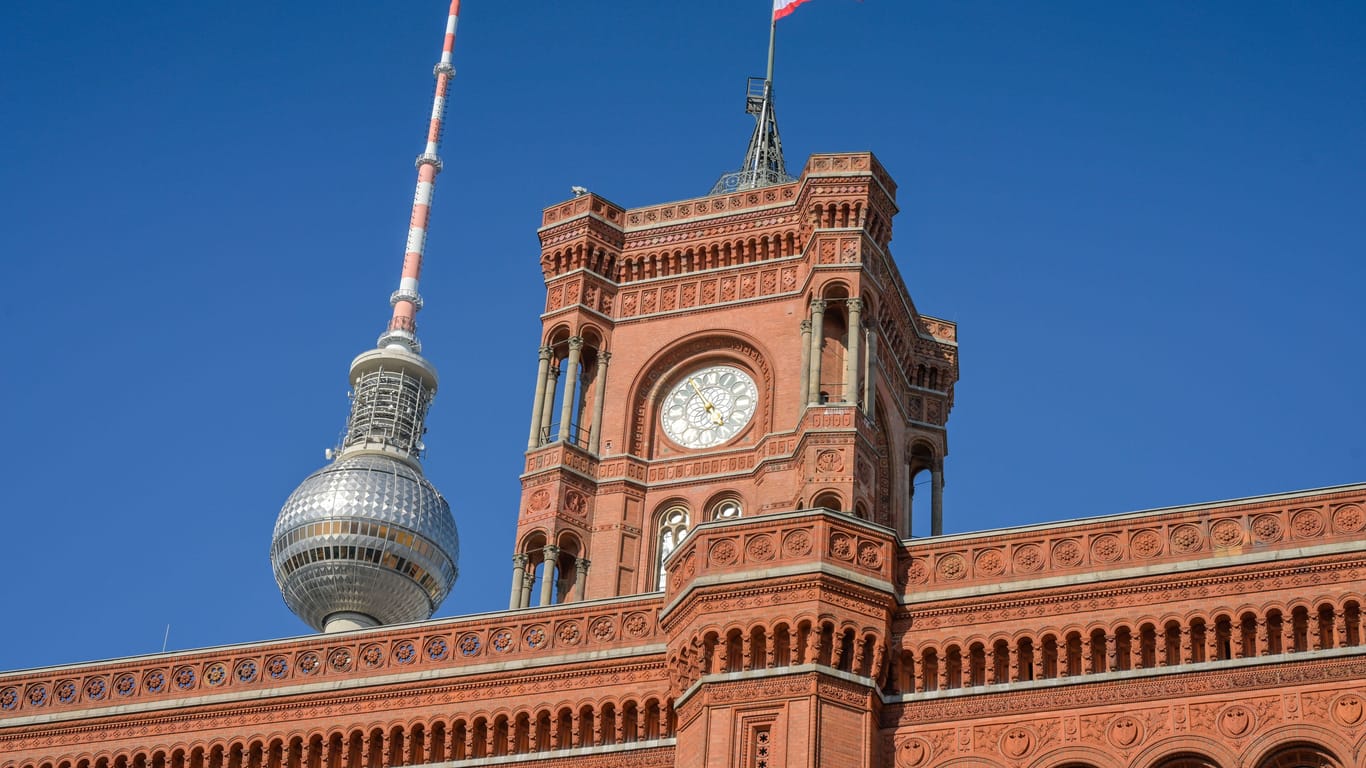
point(603, 357)
point(581, 565)
point(855, 304)
point(550, 550)
point(546, 352)
point(818, 305)
point(806, 326)
point(576, 342)
point(520, 560)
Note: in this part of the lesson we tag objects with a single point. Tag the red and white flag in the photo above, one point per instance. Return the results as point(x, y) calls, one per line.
point(782, 8)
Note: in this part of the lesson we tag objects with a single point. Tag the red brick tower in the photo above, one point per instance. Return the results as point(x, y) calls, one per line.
point(782, 297)
point(735, 362)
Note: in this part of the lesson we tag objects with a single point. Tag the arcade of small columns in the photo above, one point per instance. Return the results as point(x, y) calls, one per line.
point(553, 590)
point(640, 721)
point(1146, 644)
point(548, 371)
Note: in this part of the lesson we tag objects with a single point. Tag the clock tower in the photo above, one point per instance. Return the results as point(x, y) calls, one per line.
point(747, 353)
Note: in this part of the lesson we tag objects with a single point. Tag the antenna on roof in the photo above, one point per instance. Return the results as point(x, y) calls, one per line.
point(763, 165)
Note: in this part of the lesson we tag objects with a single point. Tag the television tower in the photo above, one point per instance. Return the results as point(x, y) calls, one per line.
point(367, 540)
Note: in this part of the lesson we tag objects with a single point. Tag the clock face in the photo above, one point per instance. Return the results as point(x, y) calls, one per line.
point(709, 406)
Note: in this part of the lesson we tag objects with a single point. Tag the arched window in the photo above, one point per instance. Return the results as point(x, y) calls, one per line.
point(673, 528)
point(829, 500)
point(726, 509)
point(1297, 755)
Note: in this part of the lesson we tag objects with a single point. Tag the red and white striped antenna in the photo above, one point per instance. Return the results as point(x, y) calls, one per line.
point(402, 331)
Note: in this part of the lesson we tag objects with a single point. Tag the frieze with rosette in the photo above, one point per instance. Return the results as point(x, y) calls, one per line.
point(1159, 594)
point(1178, 535)
point(290, 663)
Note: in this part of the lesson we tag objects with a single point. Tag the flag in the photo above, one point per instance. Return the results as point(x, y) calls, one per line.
point(782, 8)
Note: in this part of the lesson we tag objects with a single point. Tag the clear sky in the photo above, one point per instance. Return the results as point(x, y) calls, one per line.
point(1148, 220)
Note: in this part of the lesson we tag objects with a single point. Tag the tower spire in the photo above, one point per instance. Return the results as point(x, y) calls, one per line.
point(367, 539)
point(763, 165)
point(402, 331)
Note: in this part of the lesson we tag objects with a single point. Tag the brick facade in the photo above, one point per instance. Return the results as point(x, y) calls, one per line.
point(798, 623)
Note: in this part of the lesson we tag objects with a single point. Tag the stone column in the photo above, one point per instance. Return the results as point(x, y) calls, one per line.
point(1111, 653)
point(1263, 647)
point(548, 402)
point(518, 570)
point(551, 553)
point(1339, 628)
point(537, 402)
point(580, 578)
point(1038, 661)
point(813, 371)
point(571, 386)
point(869, 369)
point(937, 498)
point(851, 358)
point(528, 580)
point(746, 652)
point(806, 362)
point(1187, 652)
point(1315, 640)
point(909, 500)
point(599, 396)
point(1136, 649)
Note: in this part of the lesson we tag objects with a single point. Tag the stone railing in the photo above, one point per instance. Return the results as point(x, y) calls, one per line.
point(517, 637)
point(1136, 540)
point(670, 213)
point(580, 205)
point(764, 542)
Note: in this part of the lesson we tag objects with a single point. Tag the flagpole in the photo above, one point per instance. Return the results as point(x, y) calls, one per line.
point(772, 34)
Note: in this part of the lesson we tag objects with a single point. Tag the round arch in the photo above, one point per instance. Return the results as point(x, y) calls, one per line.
point(1298, 746)
point(730, 347)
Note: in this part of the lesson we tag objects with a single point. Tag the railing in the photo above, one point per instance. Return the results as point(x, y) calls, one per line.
point(578, 436)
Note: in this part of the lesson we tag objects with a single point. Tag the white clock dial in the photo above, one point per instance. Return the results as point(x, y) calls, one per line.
point(709, 406)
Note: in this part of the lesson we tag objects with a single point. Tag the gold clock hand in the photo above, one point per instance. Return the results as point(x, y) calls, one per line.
point(716, 417)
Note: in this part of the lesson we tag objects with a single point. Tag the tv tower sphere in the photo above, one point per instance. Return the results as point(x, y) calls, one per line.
point(367, 540)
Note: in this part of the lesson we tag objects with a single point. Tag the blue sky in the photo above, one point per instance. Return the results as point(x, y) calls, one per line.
point(1147, 220)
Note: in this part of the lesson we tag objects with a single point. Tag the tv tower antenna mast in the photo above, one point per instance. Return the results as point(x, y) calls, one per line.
point(367, 540)
point(763, 165)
